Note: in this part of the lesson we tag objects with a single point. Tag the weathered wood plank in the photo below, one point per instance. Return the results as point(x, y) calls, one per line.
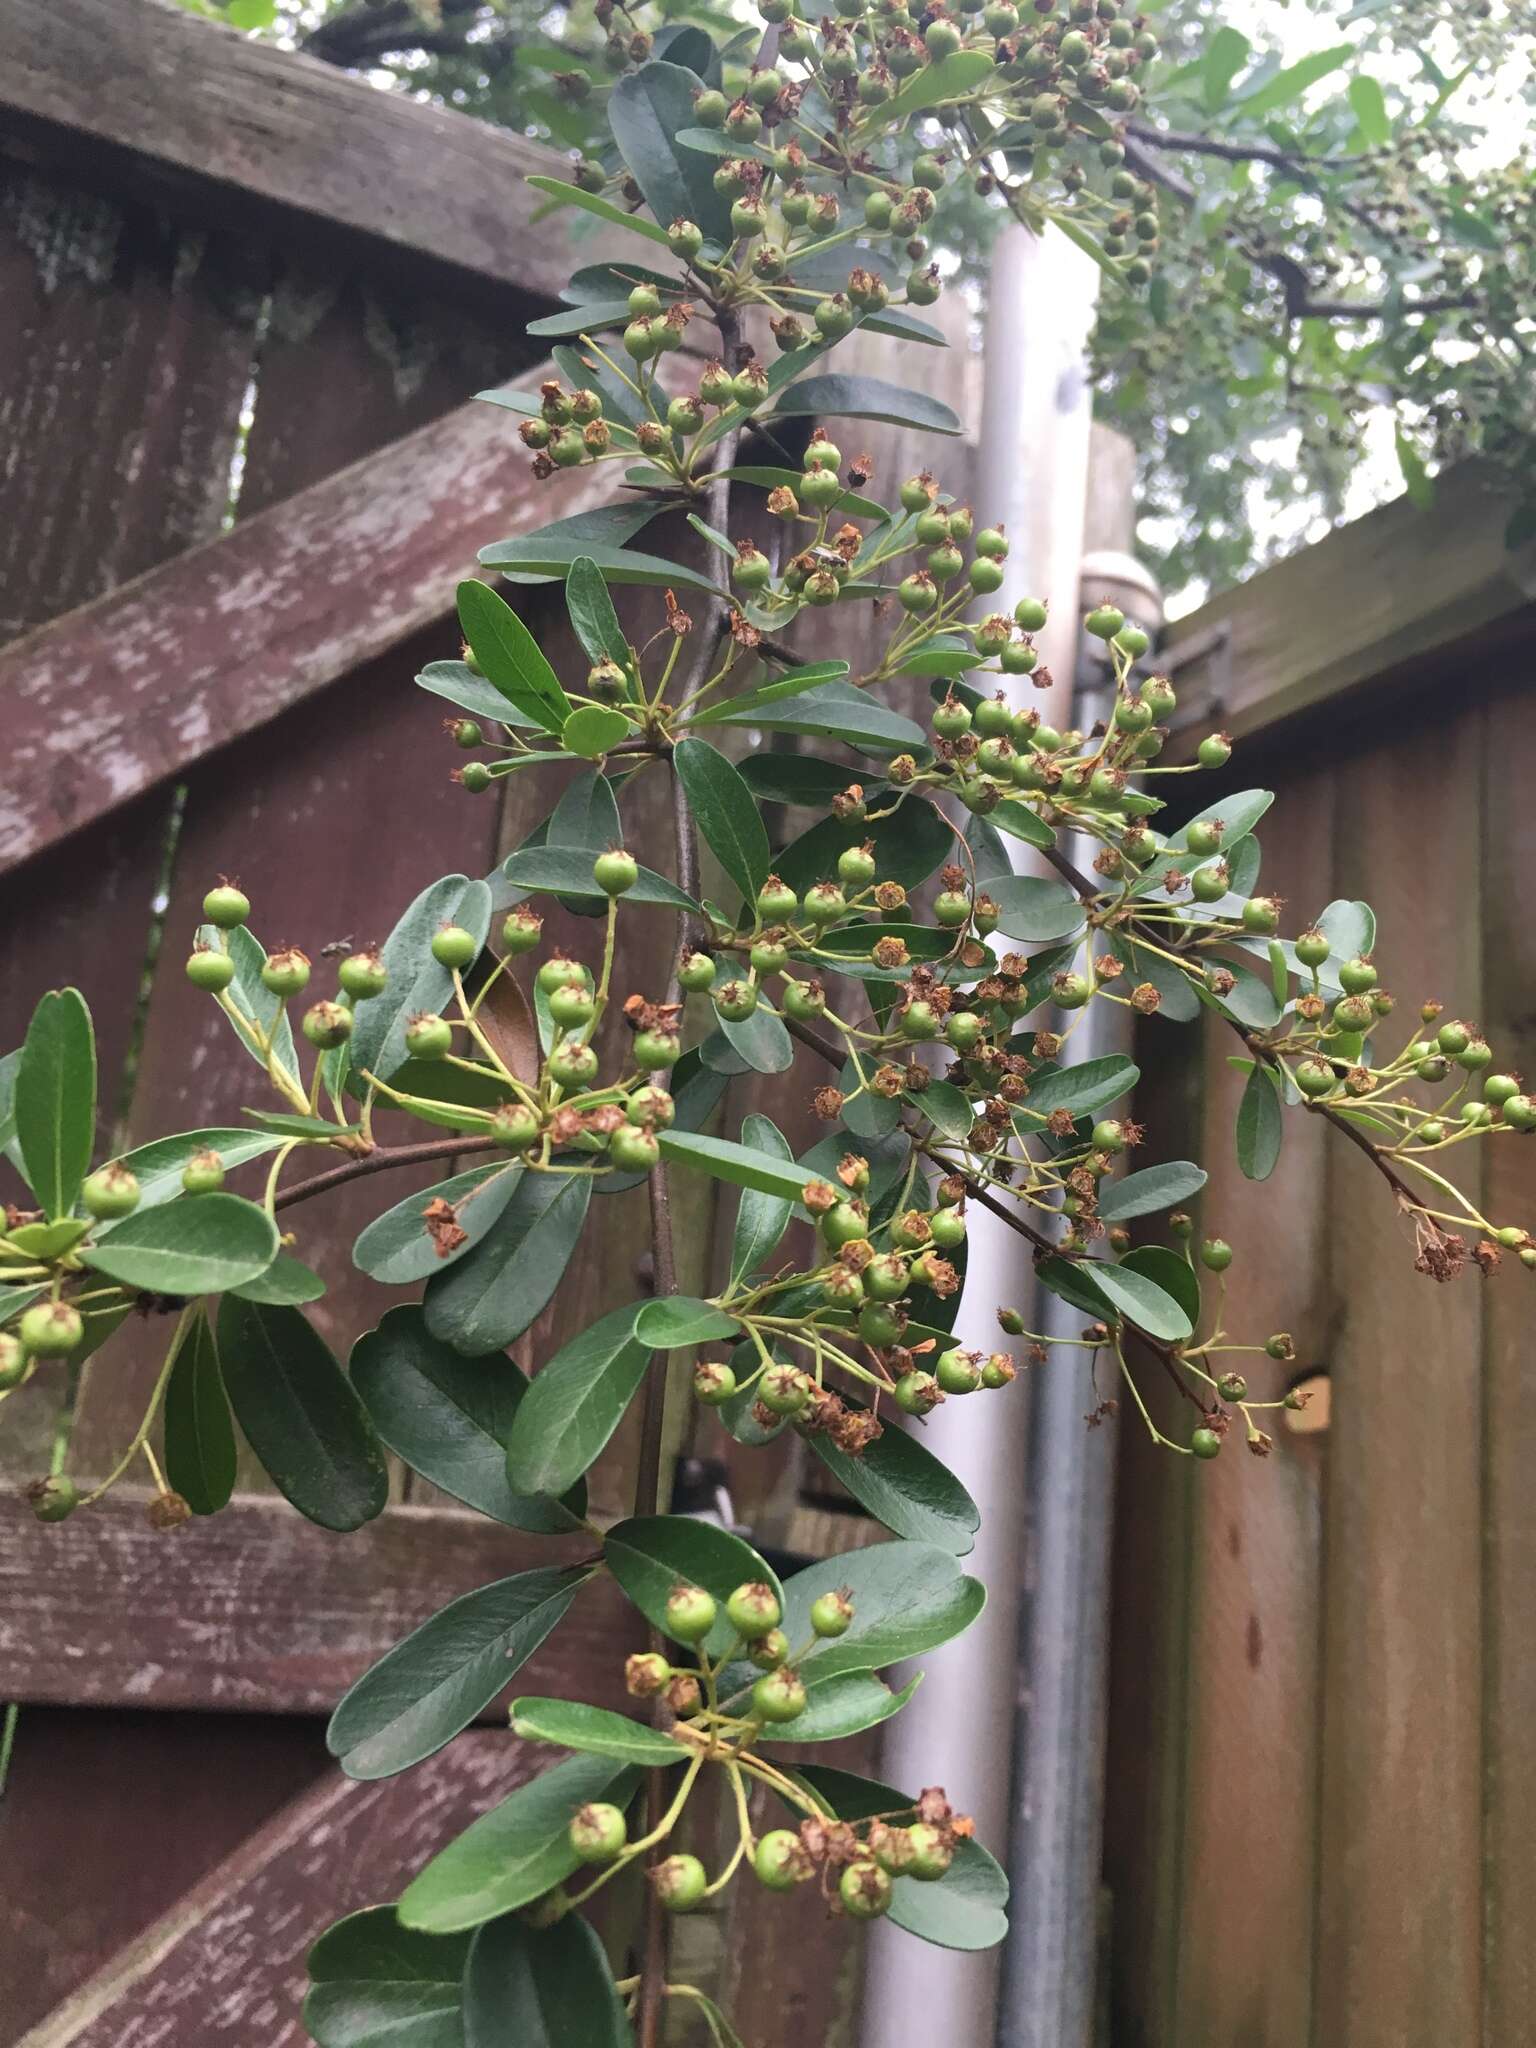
point(227, 1962)
point(257, 1610)
point(281, 143)
point(107, 1777)
point(1509, 1508)
point(132, 689)
point(1399, 1875)
point(1379, 601)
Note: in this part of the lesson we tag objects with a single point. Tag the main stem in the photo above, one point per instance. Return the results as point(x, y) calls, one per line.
point(653, 1967)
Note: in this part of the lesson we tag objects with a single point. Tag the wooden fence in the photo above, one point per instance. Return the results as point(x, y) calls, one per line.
point(244, 301)
point(1322, 1793)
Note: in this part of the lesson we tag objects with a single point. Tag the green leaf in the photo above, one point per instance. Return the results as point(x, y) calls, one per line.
point(542, 1987)
point(1291, 82)
point(907, 1599)
point(741, 1164)
point(568, 871)
point(451, 1419)
point(416, 982)
point(1034, 907)
point(844, 1704)
point(55, 1099)
point(910, 843)
point(193, 1247)
point(1152, 1189)
point(595, 1731)
point(1250, 1000)
point(200, 1454)
point(837, 396)
point(792, 683)
point(593, 617)
point(1078, 1090)
point(1020, 822)
point(492, 1295)
point(574, 1404)
point(1260, 1126)
point(510, 656)
point(956, 77)
point(252, 996)
point(1225, 56)
point(1120, 1292)
point(1368, 104)
point(427, 1688)
point(551, 556)
point(904, 1486)
point(1170, 1271)
point(964, 1910)
point(300, 1413)
point(647, 111)
point(837, 712)
point(592, 730)
point(515, 1853)
point(591, 202)
point(761, 1219)
point(760, 1042)
point(287, 1280)
point(398, 1249)
point(649, 1554)
point(676, 1322)
point(374, 1982)
point(1416, 477)
point(726, 812)
point(798, 779)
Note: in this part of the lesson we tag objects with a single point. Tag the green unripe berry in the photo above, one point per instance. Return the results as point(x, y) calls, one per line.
point(362, 975)
point(51, 1329)
point(832, 1613)
point(778, 1696)
point(1204, 835)
point(14, 1364)
point(917, 593)
point(53, 1499)
point(226, 906)
point(864, 1889)
point(735, 1001)
point(680, 1883)
point(572, 1007)
point(1214, 751)
point(947, 1229)
point(287, 972)
point(784, 1389)
point(615, 871)
point(1453, 1038)
point(957, 1371)
point(803, 1000)
point(1109, 1135)
point(1261, 914)
point(930, 1852)
point(597, 1832)
point(1216, 1254)
point(824, 903)
point(1071, 991)
point(684, 237)
point(428, 1037)
point(713, 1383)
point(1476, 1054)
point(327, 1025)
point(203, 1173)
point(769, 1651)
point(780, 1860)
point(634, 1150)
point(573, 1064)
point(1104, 621)
point(753, 1609)
point(209, 970)
point(516, 1125)
point(856, 866)
point(1232, 1386)
point(985, 576)
point(653, 1050)
point(951, 718)
point(1357, 977)
point(521, 931)
point(917, 1393)
point(1313, 948)
point(1205, 1443)
point(109, 1192)
point(689, 1614)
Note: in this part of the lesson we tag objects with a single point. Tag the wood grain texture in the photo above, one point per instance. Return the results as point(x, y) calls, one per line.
point(1400, 1900)
point(1384, 598)
point(133, 689)
point(227, 1962)
point(1509, 1195)
point(107, 1780)
point(260, 137)
point(257, 1610)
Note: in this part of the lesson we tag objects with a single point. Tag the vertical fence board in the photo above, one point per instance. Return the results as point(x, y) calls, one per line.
point(1509, 980)
point(1249, 1811)
point(1400, 1906)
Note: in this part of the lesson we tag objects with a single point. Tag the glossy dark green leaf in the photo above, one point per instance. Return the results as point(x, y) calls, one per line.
point(1178, 1001)
point(1079, 1090)
point(761, 1041)
point(516, 1852)
point(844, 1704)
point(427, 1688)
point(592, 730)
point(54, 1103)
point(590, 317)
point(726, 813)
point(797, 778)
point(838, 396)
point(249, 994)
point(761, 1219)
point(376, 1984)
point(946, 1107)
point(595, 1731)
point(907, 1599)
point(741, 1164)
point(793, 682)
point(574, 1404)
point(1152, 1189)
point(1225, 55)
point(838, 712)
point(398, 1249)
point(568, 871)
point(964, 1910)
point(1170, 1271)
point(675, 1322)
point(189, 1247)
point(491, 1296)
point(604, 209)
point(1034, 907)
point(593, 617)
point(1020, 822)
point(647, 110)
point(286, 1281)
point(541, 1987)
point(456, 683)
point(416, 983)
point(959, 77)
point(552, 557)
point(1260, 1125)
point(649, 1554)
point(905, 1486)
point(451, 1419)
point(300, 1413)
point(510, 656)
point(1116, 1293)
point(200, 1453)
point(1250, 999)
